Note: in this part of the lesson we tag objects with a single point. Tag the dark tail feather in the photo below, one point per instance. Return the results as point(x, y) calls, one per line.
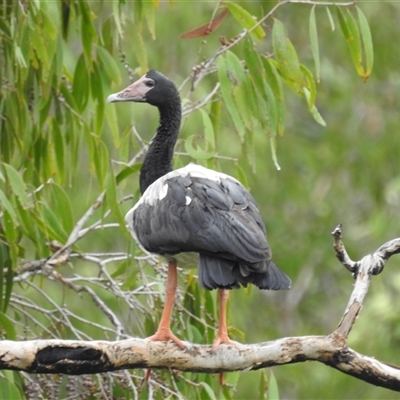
point(272, 279)
point(216, 273)
point(227, 274)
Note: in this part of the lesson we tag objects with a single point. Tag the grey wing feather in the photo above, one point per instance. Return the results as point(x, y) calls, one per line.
point(219, 220)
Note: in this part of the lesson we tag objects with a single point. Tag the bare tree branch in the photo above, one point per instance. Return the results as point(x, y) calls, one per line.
point(89, 357)
point(79, 357)
point(363, 270)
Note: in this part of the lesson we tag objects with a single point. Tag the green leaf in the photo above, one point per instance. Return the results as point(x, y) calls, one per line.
point(127, 171)
point(352, 35)
point(273, 391)
point(253, 63)
point(210, 314)
point(18, 186)
point(100, 159)
point(193, 333)
point(68, 98)
point(313, 109)
point(130, 280)
point(236, 68)
point(6, 275)
point(148, 11)
point(215, 116)
point(8, 327)
point(273, 78)
point(226, 91)
point(272, 109)
point(98, 94)
point(87, 31)
point(210, 393)
point(140, 50)
point(275, 81)
point(38, 52)
point(109, 65)
point(5, 28)
point(245, 19)
point(97, 82)
point(314, 42)
point(117, 16)
point(330, 18)
point(197, 152)
point(62, 204)
point(19, 57)
point(241, 176)
point(8, 389)
point(310, 89)
point(81, 84)
point(249, 150)
point(286, 56)
point(208, 130)
point(59, 148)
point(367, 42)
point(125, 265)
point(112, 203)
point(242, 101)
point(7, 206)
point(50, 223)
point(111, 119)
point(242, 91)
point(11, 234)
point(29, 229)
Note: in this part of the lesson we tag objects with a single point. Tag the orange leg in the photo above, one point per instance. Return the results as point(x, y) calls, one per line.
point(163, 332)
point(222, 335)
point(164, 328)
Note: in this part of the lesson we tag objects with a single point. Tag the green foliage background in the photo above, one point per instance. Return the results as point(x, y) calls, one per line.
point(64, 152)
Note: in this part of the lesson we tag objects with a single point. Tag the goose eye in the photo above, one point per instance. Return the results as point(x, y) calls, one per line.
point(150, 83)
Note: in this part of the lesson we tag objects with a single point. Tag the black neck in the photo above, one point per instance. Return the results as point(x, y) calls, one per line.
point(158, 160)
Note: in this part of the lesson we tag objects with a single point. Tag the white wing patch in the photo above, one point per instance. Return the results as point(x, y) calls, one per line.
point(159, 189)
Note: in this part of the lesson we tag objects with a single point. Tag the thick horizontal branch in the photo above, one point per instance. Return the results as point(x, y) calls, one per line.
point(89, 357)
point(80, 357)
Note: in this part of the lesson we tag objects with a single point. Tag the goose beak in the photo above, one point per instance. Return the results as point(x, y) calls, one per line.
point(113, 98)
point(125, 95)
point(135, 92)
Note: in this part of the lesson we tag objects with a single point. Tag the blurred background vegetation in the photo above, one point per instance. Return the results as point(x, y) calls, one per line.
point(67, 157)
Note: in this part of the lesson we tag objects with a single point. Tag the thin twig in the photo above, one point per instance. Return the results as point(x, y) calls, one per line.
point(340, 251)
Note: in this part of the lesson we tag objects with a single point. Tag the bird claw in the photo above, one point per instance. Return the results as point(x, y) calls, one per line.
point(224, 339)
point(165, 336)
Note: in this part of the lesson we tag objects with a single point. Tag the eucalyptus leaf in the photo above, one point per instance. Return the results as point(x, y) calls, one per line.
point(314, 43)
point(366, 37)
point(352, 35)
point(208, 130)
point(7, 206)
point(197, 152)
point(17, 184)
point(210, 393)
point(226, 91)
point(245, 19)
point(109, 65)
point(81, 87)
point(286, 55)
